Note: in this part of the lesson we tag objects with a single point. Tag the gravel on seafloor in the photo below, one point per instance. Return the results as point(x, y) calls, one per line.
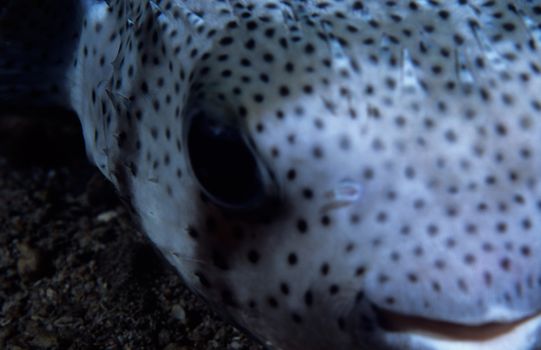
point(74, 272)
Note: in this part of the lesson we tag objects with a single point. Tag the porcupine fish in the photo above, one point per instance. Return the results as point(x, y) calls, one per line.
point(326, 174)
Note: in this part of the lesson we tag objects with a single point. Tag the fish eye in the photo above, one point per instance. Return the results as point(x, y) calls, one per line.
point(225, 164)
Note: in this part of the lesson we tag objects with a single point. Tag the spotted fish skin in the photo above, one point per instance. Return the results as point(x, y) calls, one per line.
point(397, 141)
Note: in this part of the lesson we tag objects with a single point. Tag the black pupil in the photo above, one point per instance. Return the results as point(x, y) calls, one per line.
point(223, 163)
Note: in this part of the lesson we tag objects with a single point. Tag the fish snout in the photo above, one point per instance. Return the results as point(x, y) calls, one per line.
point(496, 327)
point(415, 332)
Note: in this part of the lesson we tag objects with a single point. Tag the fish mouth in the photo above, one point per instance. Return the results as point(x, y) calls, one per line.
point(395, 322)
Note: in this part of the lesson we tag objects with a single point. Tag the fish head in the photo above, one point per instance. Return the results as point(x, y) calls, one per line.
point(340, 175)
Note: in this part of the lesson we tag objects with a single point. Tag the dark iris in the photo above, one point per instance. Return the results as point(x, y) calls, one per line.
point(224, 164)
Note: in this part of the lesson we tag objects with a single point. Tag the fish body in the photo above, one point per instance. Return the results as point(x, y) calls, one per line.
point(329, 174)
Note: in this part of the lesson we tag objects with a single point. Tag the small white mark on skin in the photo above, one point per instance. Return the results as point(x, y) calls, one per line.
point(346, 193)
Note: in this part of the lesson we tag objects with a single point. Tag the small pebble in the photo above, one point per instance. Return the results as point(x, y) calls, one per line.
point(30, 264)
point(44, 340)
point(178, 313)
point(107, 216)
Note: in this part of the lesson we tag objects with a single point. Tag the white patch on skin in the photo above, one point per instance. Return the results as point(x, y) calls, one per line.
point(347, 192)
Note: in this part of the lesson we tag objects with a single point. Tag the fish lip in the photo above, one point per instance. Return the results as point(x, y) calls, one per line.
point(396, 323)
